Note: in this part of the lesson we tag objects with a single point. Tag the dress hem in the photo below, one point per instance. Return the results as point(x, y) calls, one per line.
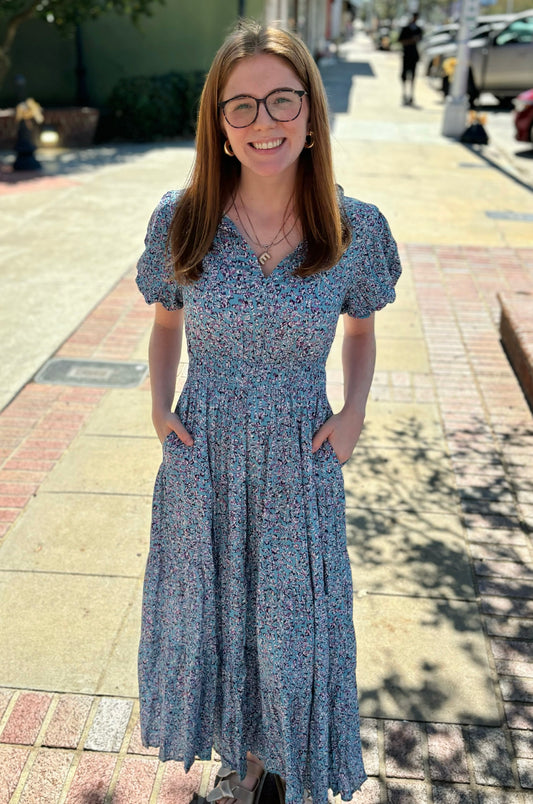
point(345, 795)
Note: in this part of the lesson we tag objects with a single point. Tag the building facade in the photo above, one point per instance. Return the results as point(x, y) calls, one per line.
point(182, 35)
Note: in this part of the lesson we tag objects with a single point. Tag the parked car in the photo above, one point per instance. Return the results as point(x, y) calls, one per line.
point(447, 34)
point(503, 64)
point(523, 116)
point(436, 55)
point(441, 34)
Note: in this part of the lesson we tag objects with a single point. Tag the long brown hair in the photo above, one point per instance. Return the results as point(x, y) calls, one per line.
point(215, 175)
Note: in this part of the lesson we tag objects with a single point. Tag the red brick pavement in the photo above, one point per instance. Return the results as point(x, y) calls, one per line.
point(12, 182)
point(41, 422)
point(489, 432)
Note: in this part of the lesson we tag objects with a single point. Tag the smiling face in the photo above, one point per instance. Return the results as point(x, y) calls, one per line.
point(266, 147)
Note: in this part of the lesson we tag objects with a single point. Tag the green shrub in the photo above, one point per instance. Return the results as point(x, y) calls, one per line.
point(158, 107)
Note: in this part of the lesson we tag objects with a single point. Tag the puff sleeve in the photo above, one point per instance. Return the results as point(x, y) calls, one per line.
point(155, 279)
point(374, 264)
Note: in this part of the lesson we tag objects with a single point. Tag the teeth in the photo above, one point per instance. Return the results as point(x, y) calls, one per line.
point(266, 146)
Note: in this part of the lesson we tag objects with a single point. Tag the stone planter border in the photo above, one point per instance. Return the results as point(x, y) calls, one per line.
point(76, 126)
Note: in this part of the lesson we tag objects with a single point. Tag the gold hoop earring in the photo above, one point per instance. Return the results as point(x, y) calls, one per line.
point(310, 140)
point(227, 149)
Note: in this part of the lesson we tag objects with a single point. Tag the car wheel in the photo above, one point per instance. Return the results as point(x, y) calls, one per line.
point(504, 101)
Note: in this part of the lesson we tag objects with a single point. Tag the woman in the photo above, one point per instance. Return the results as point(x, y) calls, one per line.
point(247, 639)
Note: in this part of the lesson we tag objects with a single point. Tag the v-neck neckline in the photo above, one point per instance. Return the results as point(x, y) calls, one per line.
point(254, 259)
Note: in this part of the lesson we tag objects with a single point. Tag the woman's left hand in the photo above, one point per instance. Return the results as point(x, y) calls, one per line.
point(342, 430)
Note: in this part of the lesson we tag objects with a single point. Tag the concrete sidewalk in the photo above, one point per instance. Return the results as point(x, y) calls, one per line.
point(439, 493)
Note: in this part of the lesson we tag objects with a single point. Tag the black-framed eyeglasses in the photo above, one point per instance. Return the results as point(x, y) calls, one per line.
point(283, 105)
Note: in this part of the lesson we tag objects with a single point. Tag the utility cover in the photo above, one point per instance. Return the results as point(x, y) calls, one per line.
point(95, 373)
point(509, 215)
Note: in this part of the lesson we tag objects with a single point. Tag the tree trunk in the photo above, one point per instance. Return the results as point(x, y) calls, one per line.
point(5, 64)
point(11, 31)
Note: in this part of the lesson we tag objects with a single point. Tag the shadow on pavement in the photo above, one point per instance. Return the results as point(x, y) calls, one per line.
point(524, 154)
point(479, 151)
point(65, 162)
point(429, 694)
point(429, 499)
point(494, 108)
point(337, 78)
point(406, 511)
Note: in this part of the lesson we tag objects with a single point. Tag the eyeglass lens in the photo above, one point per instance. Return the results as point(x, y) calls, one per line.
point(282, 105)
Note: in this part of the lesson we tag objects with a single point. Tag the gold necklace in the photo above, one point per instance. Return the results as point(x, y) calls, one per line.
point(265, 256)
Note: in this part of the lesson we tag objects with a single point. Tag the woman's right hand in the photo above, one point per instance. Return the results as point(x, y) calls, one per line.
point(165, 422)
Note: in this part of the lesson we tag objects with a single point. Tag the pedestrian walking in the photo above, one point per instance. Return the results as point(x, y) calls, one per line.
point(247, 643)
point(410, 36)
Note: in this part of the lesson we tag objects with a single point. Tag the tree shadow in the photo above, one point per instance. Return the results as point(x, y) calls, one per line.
point(413, 701)
point(408, 504)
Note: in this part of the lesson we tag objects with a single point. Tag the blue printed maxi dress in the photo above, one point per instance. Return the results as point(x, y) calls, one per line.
point(247, 638)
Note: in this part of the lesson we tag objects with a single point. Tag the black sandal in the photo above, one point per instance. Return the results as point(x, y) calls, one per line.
point(273, 789)
point(281, 786)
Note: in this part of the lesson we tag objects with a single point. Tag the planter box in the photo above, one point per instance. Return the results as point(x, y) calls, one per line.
point(516, 330)
point(75, 125)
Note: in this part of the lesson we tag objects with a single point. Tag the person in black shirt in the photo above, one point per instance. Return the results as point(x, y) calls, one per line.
point(410, 35)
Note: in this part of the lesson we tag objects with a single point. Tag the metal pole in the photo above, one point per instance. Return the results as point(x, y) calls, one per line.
point(241, 8)
point(82, 94)
point(454, 121)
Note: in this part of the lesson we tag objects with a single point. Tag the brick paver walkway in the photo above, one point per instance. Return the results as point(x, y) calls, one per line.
point(63, 748)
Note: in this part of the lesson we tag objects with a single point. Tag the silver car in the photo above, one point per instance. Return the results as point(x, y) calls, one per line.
point(503, 64)
point(436, 55)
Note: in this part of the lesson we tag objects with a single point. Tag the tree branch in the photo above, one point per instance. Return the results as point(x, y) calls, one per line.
point(13, 24)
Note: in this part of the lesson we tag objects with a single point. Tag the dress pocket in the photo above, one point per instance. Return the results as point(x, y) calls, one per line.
point(171, 443)
point(331, 452)
point(175, 451)
point(166, 440)
point(328, 466)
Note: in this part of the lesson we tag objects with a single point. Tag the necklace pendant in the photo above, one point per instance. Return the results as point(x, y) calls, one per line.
point(264, 257)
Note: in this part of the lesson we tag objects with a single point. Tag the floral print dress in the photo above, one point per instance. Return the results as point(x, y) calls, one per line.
point(247, 637)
